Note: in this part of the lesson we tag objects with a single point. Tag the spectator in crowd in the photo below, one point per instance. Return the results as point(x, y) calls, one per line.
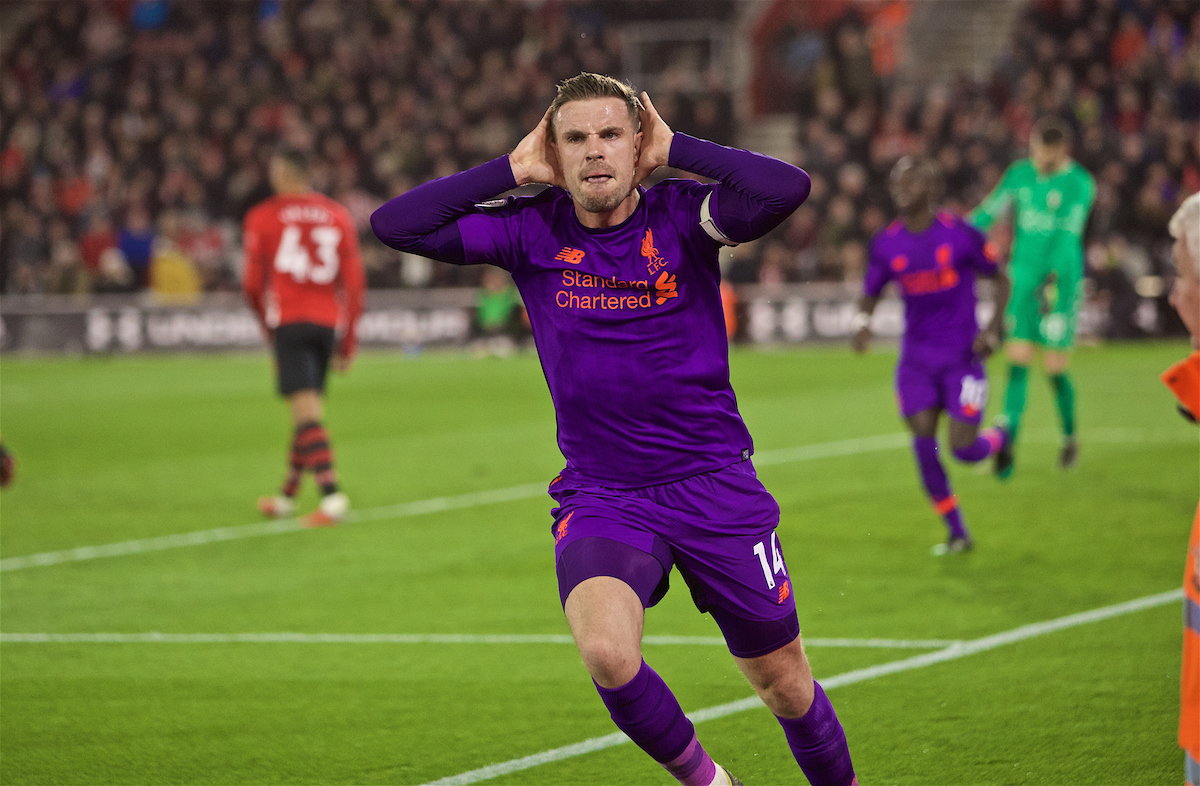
point(136, 241)
point(173, 274)
point(1113, 290)
point(27, 252)
point(66, 274)
point(96, 239)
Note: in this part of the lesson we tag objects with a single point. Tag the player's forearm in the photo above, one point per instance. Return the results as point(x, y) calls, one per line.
point(1001, 289)
point(989, 210)
point(254, 292)
point(353, 285)
point(257, 303)
point(1073, 224)
point(862, 318)
point(422, 220)
point(757, 192)
point(860, 323)
point(349, 343)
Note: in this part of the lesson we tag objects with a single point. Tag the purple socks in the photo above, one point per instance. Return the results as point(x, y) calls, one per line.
point(933, 475)
point(988, 442)
point(819, 744)
point(693, 767)
point(646, 710)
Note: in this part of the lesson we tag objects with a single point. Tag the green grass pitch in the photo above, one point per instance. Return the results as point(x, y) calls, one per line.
point(127, 448)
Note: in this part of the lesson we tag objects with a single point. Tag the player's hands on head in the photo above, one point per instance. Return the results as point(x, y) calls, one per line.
point(656, 141)
point(535, 159)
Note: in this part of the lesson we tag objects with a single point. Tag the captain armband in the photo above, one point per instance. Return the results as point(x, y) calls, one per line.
point(709, 225)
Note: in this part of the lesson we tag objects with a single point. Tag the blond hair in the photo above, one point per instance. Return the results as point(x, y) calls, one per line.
point(586, 85)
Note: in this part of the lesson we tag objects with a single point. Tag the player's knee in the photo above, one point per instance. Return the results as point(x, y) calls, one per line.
point(783, 680)
point(1055, 362)
point(610, 662)
point(1019, 352)
point(962, 446)
point(788, 695)
point(923, 428)
point(924, 423)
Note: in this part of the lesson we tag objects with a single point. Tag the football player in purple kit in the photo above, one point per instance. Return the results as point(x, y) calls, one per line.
point(934, 258)
point(621, 284)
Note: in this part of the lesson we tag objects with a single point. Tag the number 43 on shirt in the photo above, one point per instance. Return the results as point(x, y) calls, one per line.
point(293, 257)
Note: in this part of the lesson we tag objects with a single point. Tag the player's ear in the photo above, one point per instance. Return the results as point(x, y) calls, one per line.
point(637, 145)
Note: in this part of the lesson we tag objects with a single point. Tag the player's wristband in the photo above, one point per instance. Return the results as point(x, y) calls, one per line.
point(860, 320)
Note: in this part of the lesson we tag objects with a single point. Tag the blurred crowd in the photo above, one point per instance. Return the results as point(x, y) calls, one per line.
point(1124, 73)
point(134, 133)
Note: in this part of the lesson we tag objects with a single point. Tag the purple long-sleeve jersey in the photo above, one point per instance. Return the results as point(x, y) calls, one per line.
point(628, 319)
point(935, 271)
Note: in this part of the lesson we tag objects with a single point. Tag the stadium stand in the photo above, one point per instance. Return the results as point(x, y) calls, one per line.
point(137, 132)
point(1125, 74)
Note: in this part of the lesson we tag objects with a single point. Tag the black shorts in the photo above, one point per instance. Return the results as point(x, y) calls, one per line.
point(302, 351)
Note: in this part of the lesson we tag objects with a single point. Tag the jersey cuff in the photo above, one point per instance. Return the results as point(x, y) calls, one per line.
point(709, 224)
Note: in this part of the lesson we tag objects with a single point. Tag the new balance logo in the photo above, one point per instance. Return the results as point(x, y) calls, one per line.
point(572, 256)
point(664, 288)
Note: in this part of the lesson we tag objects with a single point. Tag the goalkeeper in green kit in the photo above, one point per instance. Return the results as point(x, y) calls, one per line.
point(1050, 196)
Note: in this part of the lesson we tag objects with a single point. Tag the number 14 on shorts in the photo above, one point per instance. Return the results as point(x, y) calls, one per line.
point(775, 565)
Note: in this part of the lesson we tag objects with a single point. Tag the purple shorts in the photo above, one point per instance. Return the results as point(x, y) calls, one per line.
point(718, 528)
point(959, 388)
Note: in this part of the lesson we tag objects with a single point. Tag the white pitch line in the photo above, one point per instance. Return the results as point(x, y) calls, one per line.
point(953, 652)
point(202, 537)
point(155, 637)
point(403, 510)
point(845, 447)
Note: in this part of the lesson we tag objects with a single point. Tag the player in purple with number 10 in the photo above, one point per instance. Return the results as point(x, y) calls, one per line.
point(622, 287)
point(934, 258)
